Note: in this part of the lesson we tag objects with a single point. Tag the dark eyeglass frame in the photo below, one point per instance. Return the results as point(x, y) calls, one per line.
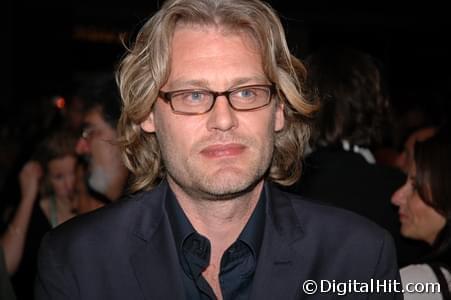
point(167, 97)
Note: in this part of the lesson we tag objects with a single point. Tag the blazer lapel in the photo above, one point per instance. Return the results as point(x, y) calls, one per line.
point(278, 274)
point(155, 260)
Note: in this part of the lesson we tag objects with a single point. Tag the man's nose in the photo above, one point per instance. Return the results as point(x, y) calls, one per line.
point(222, 116)
point(82, 146)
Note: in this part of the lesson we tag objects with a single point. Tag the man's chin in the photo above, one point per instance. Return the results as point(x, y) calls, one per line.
point(217, 181)
point(223, 187)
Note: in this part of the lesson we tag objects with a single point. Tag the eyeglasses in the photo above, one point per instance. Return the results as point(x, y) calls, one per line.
point(199, 101)
point(87, 132)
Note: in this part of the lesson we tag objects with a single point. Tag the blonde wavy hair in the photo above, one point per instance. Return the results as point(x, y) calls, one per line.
point(146, 67)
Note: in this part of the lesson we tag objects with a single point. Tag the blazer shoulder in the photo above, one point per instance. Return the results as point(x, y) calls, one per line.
point(111, 222)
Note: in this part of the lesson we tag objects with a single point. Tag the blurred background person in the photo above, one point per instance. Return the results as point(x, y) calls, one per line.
point(57, 156)
point(107, 176)
point(47, 186)
point(425, 210)
point(341, 168)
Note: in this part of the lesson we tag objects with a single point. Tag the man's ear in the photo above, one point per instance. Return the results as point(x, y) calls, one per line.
point(148, 125)
point(279, 117)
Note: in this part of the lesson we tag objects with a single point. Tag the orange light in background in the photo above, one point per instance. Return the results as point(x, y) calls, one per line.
point(60, 102)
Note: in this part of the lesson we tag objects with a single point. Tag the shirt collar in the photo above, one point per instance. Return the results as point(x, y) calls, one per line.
point(181, 226)
point(364, 152)
point(252, 234)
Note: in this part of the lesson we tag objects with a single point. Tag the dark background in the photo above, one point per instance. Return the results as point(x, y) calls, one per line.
point(48, 45)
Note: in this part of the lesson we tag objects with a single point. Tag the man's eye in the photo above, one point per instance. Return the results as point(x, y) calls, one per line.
point(246, 93)
point(196, 96)
point(193, 97)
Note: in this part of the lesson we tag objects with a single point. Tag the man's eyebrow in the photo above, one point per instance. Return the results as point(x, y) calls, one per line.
point(194, 83)
point(205, 84)
point(258, 79)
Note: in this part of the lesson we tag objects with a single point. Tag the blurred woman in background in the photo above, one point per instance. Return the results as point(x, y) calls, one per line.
point(47, 187)
point(425, 210)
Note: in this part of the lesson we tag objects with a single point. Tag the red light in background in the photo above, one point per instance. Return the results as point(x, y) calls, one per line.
point(60, 102)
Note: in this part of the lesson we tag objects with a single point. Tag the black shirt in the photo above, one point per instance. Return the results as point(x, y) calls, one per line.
point(238, 262)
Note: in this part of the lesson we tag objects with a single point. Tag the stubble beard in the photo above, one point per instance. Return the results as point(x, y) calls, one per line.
point(225, 183)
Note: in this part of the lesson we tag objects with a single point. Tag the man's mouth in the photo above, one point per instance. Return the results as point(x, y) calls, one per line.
point(223, 150)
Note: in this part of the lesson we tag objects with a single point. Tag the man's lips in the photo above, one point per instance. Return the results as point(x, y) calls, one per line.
point(223, 150)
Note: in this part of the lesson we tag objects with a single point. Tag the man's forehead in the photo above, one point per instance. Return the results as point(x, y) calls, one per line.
point(226, 60)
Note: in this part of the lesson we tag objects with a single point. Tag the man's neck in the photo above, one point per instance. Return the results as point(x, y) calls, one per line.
point(221, 221)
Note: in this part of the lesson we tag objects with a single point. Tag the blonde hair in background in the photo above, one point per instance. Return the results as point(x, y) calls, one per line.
point(146, 67)
point(58, 144)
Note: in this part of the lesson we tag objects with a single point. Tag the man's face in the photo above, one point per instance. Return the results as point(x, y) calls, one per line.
point(222, 152)
point(97, 145)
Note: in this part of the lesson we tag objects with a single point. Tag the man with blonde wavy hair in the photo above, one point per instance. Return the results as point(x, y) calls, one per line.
point(213, 112)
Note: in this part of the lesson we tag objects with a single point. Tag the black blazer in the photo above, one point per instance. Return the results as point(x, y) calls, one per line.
point(126, 251)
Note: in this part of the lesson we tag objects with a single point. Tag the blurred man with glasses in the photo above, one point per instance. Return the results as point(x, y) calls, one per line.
point(107, 175)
